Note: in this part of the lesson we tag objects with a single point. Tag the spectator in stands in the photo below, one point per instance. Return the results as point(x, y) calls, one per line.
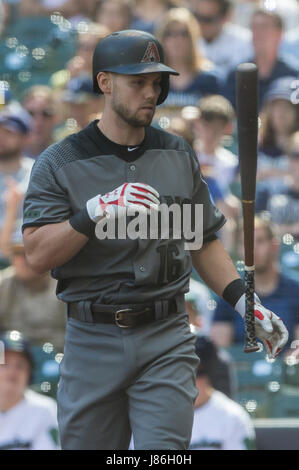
point(223, 43)
point(280, 197)
point(218, 179)
point(276, 291)
point(179, 126)
point(73, 10)
point(81, 63)
point(216, 119)
point(15, 125)
point(279, 120)
point(116, 15)
point(28, 302)
point(13, 200)
point(288, 9)
point(27, 419)
point(178, 32)
point(267, 30)
point(219, 166)
point(41, 104)
point(148, 13)
point(86, 45)
point(219, 422)
point(81, 102)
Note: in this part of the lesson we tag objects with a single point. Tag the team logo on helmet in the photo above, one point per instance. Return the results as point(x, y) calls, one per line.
point(151, 54)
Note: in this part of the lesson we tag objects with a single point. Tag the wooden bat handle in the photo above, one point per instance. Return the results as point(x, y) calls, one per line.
point(250, 339)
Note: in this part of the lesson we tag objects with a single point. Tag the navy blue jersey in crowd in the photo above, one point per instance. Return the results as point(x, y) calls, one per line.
point(280, 200)
point(204, 83)
point(283, 68)
point(283, 301)
point(217, 193)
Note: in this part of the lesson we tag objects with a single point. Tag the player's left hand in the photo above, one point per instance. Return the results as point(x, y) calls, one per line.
point(270, 329)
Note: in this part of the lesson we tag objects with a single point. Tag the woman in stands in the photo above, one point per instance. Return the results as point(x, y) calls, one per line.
point(179, 33)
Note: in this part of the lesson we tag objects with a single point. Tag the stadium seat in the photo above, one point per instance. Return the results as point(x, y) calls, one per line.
point(285, 403)
point(46, 373)
point(253, 370)
point(256, 402)
point(36, 47)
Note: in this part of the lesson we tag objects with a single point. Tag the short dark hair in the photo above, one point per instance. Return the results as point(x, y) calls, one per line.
point(224, 6)
point(216, 107)
point(276, 17)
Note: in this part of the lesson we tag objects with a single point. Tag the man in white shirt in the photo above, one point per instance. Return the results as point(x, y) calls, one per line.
point(224, 43)
point(27, 419)
point(219, 422)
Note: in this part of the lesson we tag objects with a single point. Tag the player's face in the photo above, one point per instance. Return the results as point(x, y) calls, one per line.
point(14, 374)
point(134, 97)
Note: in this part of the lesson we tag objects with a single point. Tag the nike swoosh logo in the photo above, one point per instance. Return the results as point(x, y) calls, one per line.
point(132, 148)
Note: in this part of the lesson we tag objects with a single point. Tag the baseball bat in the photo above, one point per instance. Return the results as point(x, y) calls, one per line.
point(247, 117)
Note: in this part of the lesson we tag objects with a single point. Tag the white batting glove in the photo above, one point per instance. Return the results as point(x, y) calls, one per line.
point(139, 196)
point(269, 328)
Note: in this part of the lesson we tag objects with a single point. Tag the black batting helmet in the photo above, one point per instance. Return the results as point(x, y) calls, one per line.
point(131, 52)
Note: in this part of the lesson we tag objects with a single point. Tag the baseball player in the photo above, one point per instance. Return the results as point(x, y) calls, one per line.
point(129, 361)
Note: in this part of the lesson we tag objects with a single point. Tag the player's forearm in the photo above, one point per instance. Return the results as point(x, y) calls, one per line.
point(52, 245)
point(215, 266)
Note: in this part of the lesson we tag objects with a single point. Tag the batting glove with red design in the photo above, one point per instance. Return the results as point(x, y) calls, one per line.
point(139, 196)
point(269, 328)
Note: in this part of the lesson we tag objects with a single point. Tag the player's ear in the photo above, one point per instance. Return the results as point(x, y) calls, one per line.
point(105, 82)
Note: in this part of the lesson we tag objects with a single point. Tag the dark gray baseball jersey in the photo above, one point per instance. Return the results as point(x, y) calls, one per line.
point(85, 164)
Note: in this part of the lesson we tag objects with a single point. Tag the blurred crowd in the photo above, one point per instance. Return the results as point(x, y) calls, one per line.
point(46, 93)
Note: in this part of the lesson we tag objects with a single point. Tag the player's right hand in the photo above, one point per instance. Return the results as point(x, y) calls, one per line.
point(270, 329)
point(139, 196)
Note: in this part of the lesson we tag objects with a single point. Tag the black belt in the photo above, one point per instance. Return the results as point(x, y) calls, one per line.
point(125, 316)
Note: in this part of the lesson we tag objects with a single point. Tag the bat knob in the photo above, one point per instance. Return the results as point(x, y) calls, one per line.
point(251, 347)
